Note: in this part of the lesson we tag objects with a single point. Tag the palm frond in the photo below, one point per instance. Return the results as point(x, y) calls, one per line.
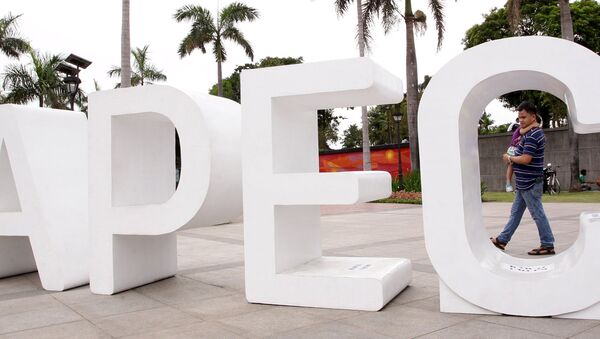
point(195, 39)
point(203, 29)
point(140, 57)
point(235, 35)
point(237, 12)
point(154, 74)
point(13, 47)
point(386, 10)
point(38, 79)
point(11, 44)
point(219, 51)
point(437, 8)
point(192, 13)
point(115, 71)
point(341, 6)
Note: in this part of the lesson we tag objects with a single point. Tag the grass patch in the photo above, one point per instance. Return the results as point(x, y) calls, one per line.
point(589, 197)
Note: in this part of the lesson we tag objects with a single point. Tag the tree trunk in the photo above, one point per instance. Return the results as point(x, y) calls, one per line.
point(566, 27)
point(219, 79)
point(412, 87)
point(366, 143)
point(566, 22)
point(125, 47)
point(41, 100)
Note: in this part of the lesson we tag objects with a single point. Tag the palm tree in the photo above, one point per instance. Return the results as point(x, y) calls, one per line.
point(566, 27)
point(125, 46)
point(342, 6)
point(143, 71)
point(205, 30)
point(390, 14)
point(11, 44)
point(36, 80)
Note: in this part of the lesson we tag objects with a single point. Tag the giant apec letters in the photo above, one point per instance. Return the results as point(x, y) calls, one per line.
point(134, 205)
point(283, 189)
point(475, 277)
point(43, 195)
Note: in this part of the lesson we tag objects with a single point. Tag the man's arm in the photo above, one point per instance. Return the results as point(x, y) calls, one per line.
point(524, 159)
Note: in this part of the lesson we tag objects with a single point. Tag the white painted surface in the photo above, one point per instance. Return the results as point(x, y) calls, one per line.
point(134, 207)
point(283, 187)
point(471, 268)
point(43, 195)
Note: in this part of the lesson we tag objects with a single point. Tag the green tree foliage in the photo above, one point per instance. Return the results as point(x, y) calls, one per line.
point(231, 84)
point(11, 43)
point(143, 71)
point(206, 30)
point(36, 80)
point(352, 137)
point(328, 125)
point(539, 17)
point(486, 125)
point(383, 127)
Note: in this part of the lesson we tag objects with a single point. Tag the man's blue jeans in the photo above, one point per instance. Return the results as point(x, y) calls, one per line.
point(532, 199)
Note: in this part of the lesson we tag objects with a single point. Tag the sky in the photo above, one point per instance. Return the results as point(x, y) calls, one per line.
point(294, 28)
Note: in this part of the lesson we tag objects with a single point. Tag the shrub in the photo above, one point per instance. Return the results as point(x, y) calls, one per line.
point(395, 185)
point(412, 181)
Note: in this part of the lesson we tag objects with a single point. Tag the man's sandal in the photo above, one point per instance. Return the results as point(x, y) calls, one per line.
point(498, 244)
point(542, 251)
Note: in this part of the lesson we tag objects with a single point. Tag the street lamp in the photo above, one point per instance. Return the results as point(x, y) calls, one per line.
point(397, 119)
point(72, 83)
point(70, 67)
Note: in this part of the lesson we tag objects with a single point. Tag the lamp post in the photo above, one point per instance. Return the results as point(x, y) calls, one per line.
point(397, 119)
point(70, 67)
point(72, 83)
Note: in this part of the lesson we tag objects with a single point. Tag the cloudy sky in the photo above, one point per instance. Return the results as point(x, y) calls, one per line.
point(307, 28)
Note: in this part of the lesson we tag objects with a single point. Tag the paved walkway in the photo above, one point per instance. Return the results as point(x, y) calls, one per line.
point(206, 298)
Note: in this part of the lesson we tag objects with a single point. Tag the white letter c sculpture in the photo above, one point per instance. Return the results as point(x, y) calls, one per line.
point(475, 277)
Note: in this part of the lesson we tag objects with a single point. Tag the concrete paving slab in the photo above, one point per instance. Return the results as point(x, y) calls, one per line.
point(181, 290)
point(77, 329)
point(329, 330)
point(271, 321)
point(220, 307)
point(206, 298)
point(35, 312)
point(193, 331)
point(93, 306)
point(556, 327)
point(476, 329)
point(592, 333)
point(144, 321)
point(404, 321)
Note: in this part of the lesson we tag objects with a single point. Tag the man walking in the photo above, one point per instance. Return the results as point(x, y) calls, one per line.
point(528, 165)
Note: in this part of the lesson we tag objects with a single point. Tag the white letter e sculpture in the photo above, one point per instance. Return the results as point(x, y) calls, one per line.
point(283, 189)
point(475, 277)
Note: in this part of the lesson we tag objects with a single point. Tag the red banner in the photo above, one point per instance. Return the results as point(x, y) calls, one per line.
point(383, 158)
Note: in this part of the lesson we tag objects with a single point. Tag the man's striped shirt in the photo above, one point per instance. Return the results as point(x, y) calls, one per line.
point(532, 143)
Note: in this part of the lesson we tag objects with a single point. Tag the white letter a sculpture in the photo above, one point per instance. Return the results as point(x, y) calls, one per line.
point(43, 195)
point(283, 189)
